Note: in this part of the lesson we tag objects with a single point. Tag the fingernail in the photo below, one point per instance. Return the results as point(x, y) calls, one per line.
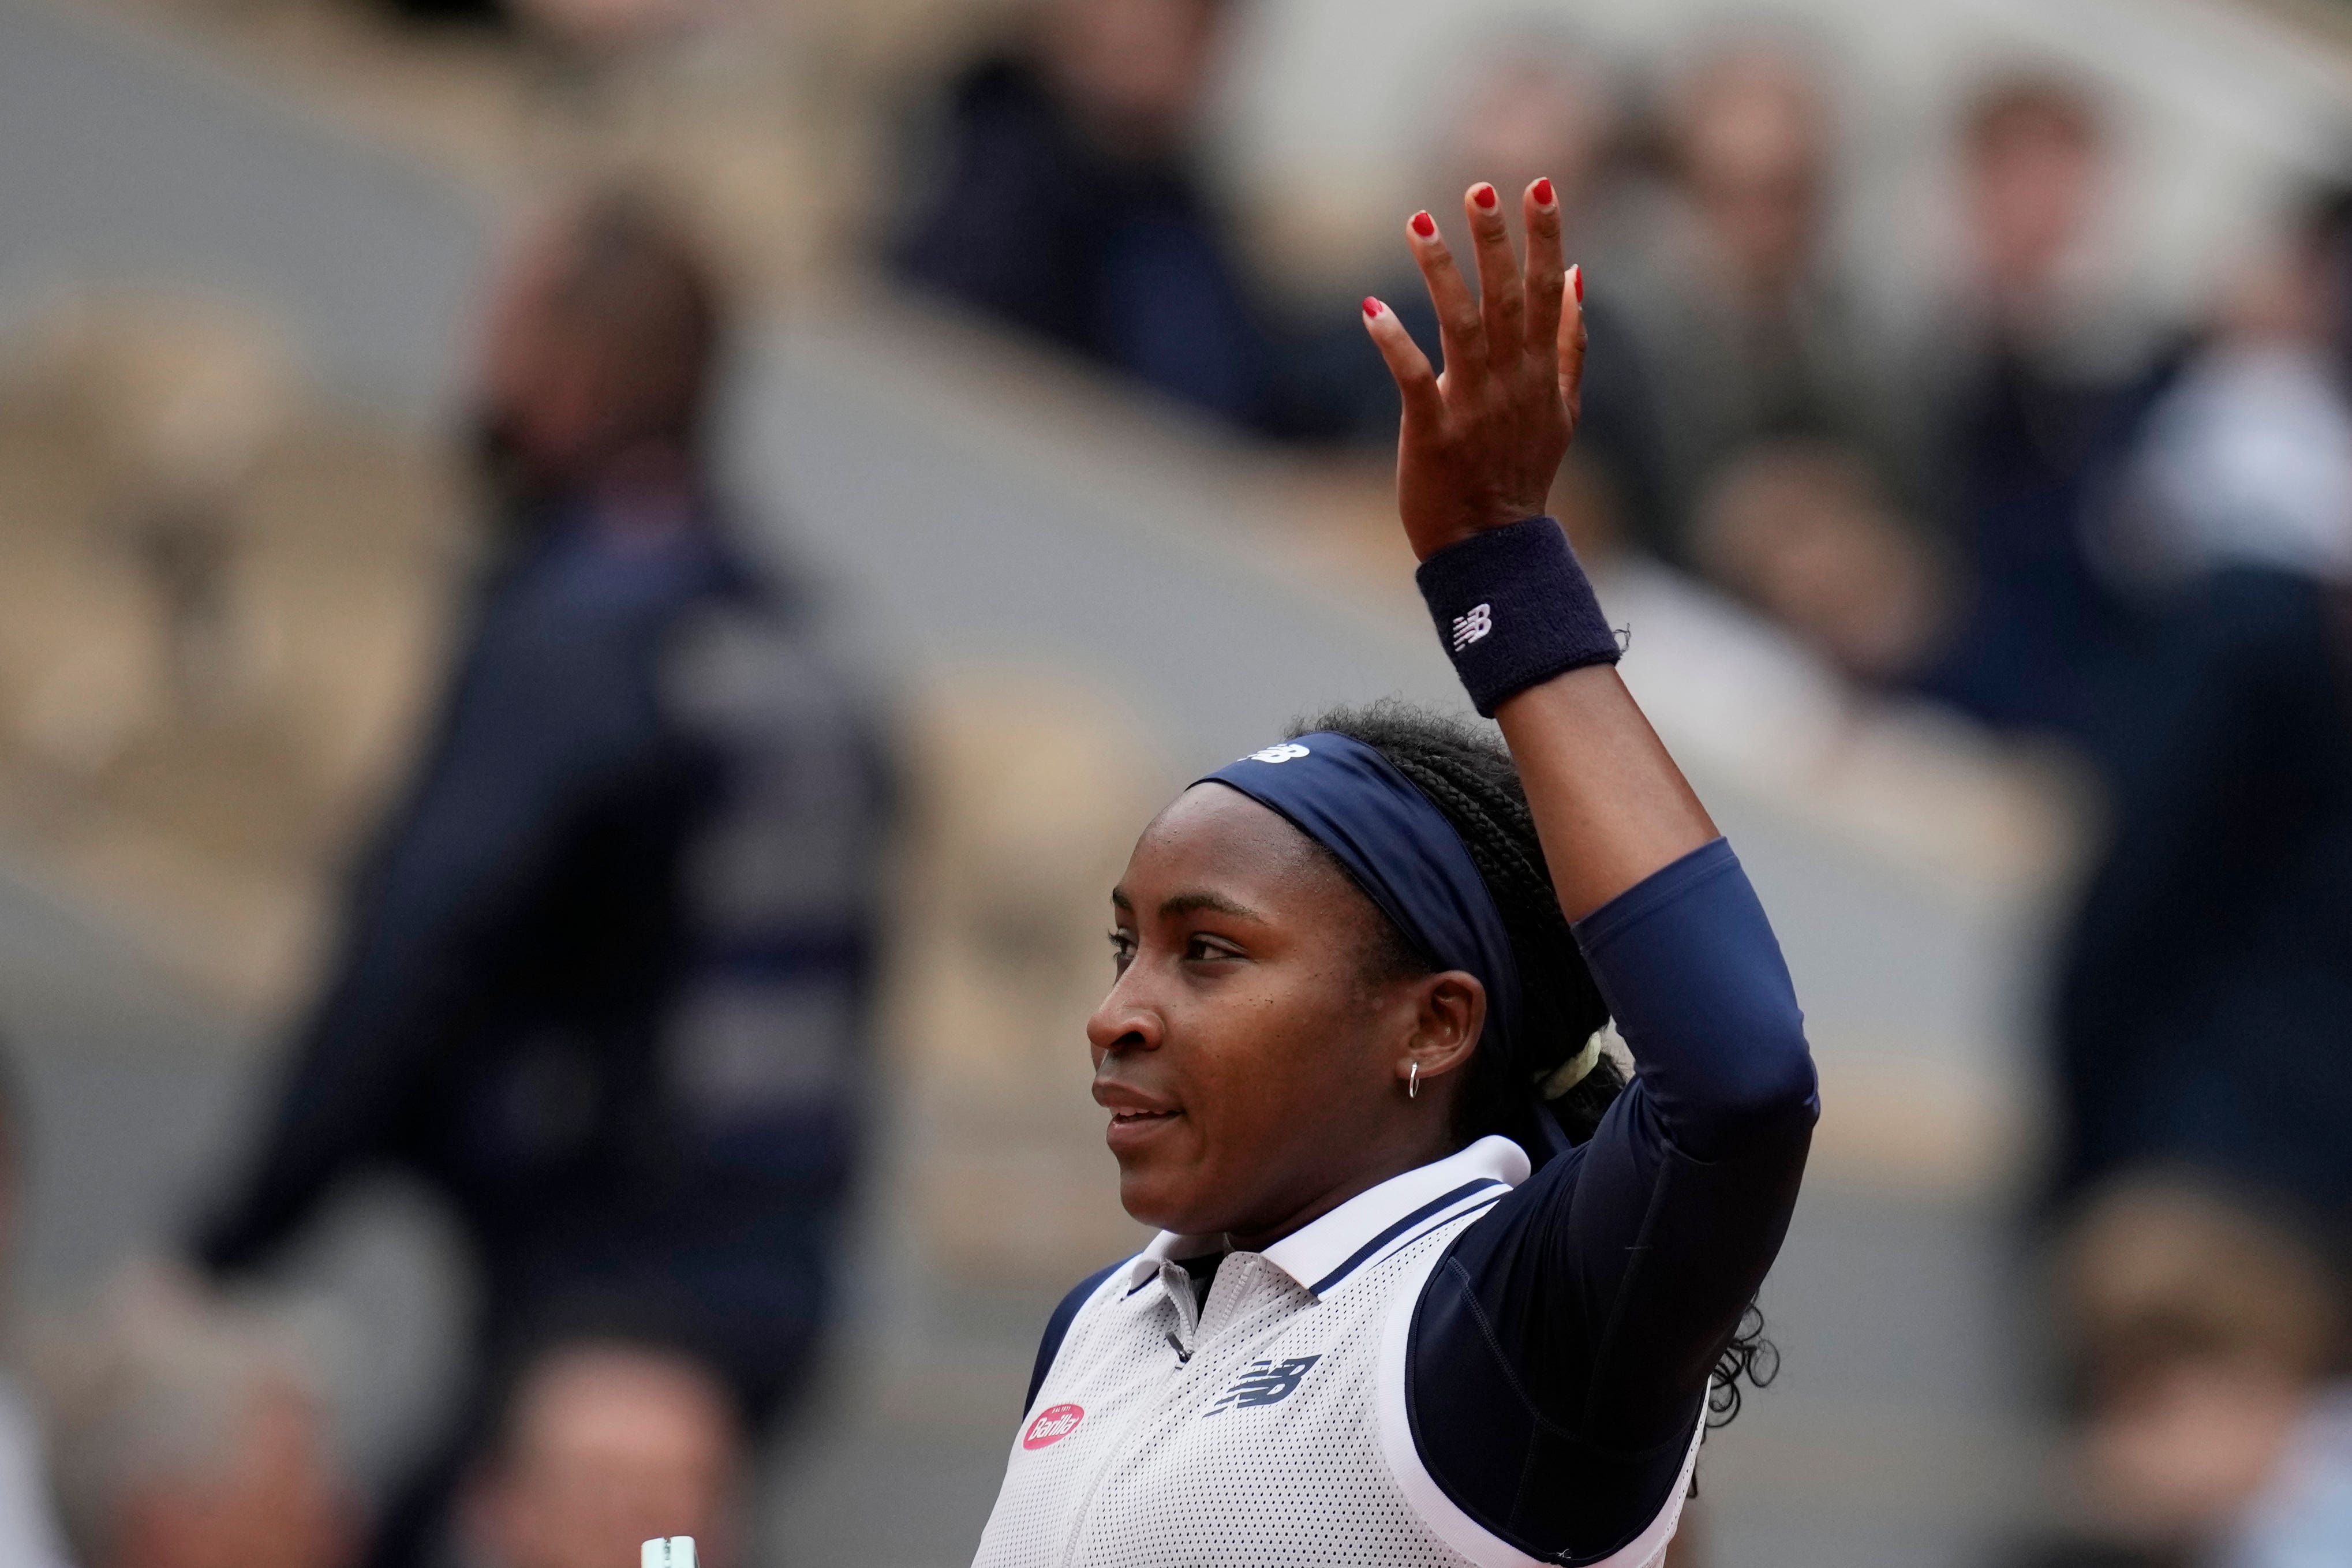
point(1576, 278)
point(1423, 224)
point(1543, 191)
point(1371, 306)
point(1485, 196)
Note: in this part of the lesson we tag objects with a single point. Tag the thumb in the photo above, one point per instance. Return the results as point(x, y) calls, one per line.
point(1571, 343)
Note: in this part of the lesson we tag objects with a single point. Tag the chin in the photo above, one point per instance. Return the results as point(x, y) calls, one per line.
point(1162, 1199)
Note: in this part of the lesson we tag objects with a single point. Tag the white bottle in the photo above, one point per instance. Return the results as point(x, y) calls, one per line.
point(669, 1552)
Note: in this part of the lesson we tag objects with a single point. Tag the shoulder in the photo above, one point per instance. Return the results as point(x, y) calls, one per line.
point(1058, 1326)
point(1475, 1429)
point(563, 618)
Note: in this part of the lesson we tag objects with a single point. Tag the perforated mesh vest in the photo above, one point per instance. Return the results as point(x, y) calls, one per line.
point(1269, 1431)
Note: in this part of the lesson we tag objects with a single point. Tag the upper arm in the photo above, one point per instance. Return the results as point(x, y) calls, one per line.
point(1665, 1229)
point(1694, 980)
point(1561, 1354)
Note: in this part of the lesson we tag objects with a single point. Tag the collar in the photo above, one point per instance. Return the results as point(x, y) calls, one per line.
point(1322, 1254)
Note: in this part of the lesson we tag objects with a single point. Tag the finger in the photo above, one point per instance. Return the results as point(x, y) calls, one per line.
point(1502, 302)
point(1461, 333)
point(1572, 344)
point(1415, 380)
point(1546, 267)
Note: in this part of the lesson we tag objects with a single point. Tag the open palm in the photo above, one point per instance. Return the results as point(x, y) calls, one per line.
point(1478, 446)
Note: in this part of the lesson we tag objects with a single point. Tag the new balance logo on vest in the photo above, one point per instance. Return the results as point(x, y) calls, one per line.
point(1266, 1425)
point(1469, 628)
point(1265, 1383)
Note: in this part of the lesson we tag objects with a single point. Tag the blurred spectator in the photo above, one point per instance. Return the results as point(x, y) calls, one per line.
point(602, 1447)
point(1534, 104)
point(2206, 1334)
point(1061, 199)
point(2248, 459)
point(1806, 534)
point(2041, 380)
point(1750, 334)
point(2205, 986)
point(185, 1437)
point(603, 983)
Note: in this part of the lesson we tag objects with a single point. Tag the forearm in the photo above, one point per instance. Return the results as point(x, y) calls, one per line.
point(314, 1137)
point(1610, 805)
point(348, 1083)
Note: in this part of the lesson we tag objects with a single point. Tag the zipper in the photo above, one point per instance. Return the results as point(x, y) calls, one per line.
point(1178, 1292)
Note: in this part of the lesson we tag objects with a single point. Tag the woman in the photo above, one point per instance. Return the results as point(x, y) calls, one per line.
point(1434, 1286)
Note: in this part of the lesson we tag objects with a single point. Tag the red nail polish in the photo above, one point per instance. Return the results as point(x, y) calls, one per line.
point(1371, 306)
point(1485, 196)
point(1423, 224)
point(1543, 192)
point(1576, 276)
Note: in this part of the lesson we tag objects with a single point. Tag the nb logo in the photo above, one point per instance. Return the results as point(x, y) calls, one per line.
point(1468, 629)
point(1288, 752)
point(1262, 1383)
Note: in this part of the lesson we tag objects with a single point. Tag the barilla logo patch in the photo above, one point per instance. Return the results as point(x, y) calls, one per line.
point(1052, 1424)
point(1288, 752)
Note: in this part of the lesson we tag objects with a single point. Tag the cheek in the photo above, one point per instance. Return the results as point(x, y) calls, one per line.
point(1285, 1059)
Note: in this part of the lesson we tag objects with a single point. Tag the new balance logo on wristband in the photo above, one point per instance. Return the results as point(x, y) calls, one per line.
point(1468, 629)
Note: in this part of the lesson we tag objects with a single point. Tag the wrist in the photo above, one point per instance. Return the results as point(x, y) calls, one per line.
point(1462, 519)
point(1513, 609)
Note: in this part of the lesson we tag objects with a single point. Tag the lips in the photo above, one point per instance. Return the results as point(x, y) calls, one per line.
point(1133, 1132)
point(1126, 1100)
point(1135, 1117)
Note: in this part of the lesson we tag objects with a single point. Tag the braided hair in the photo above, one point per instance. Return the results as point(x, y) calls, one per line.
point(1467, 773)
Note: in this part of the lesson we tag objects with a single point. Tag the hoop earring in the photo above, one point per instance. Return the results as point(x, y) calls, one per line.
point(1412, 1085)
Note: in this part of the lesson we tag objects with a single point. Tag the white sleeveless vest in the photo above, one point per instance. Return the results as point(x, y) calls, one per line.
point(1280, 1438)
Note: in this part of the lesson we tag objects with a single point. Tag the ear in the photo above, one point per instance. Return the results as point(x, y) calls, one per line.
point(1450, 1014)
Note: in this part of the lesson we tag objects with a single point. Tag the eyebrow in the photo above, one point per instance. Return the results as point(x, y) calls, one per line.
point(1216, 904)
point(1182, 904)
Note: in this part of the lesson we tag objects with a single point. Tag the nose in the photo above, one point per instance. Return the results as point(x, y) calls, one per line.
point(1126, 1020)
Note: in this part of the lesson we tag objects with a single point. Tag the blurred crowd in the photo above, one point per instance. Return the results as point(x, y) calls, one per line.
point(604, 980)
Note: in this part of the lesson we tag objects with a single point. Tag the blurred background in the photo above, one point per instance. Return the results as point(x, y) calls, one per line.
point(592, 592)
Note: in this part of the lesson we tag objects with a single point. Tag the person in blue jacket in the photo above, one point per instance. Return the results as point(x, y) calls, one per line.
point(606, 975)
point(1435, 1283)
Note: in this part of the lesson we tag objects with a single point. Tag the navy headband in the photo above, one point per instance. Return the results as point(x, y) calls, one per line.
point(1400, 849)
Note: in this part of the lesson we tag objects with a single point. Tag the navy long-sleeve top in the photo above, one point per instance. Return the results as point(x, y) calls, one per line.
point(1561, 1351)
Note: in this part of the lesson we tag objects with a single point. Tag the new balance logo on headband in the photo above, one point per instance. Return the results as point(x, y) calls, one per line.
point(1288, 752)
point(1468, 629)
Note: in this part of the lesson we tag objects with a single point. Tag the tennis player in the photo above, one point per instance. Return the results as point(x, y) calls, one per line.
point(1434, 1285)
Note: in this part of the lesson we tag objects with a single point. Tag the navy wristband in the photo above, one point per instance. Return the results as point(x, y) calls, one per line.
point(1513, 610)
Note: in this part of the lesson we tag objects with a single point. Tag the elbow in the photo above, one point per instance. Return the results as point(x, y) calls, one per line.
point(1771, 1093)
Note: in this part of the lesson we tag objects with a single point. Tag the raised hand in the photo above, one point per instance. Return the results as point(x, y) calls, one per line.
point(1478, 446)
